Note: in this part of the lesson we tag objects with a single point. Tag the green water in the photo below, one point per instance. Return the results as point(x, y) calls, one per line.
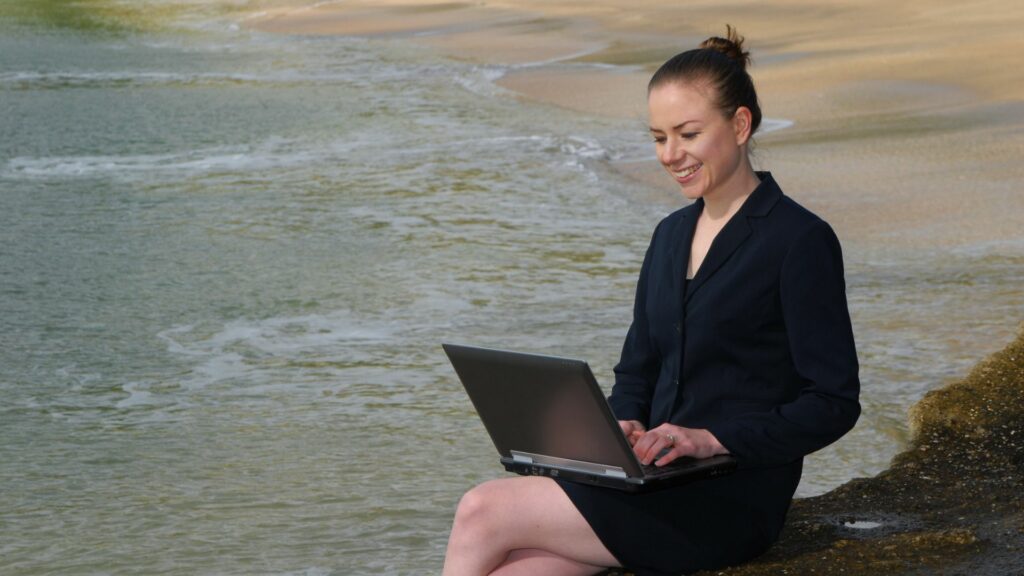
point(227, 261)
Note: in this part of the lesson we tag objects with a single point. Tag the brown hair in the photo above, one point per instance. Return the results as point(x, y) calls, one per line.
point(722, 63)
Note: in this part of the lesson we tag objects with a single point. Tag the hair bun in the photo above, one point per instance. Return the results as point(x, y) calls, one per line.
point(731, 46)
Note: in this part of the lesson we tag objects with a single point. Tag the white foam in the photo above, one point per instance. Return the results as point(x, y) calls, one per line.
point(271, 154)
point(312, 571)
point(567, 57)
point(585, 148)
point(322, 3)
point(81, 78)
point(137, 396)
point(26, 79)
point(253, 350)
point(483, 80)
point(774, 125)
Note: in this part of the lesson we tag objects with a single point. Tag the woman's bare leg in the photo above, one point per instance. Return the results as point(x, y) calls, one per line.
point(533, 562)
point(527, 521)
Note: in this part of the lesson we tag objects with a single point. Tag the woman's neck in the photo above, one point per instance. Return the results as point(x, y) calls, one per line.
point(727, 200)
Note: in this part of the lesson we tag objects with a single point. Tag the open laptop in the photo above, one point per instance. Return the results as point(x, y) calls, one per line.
point(547, 416)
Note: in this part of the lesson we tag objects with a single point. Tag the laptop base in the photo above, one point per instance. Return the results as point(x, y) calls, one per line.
point(697, 469)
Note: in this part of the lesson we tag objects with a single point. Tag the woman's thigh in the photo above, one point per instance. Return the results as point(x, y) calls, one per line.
point(533, 513)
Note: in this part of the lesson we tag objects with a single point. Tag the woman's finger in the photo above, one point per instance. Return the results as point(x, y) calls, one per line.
point(651, 444)
point(655, 441)
point(640, 447)
point(632, 429)
point(668, 457)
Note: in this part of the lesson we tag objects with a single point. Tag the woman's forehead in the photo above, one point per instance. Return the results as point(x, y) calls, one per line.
point(675, 103)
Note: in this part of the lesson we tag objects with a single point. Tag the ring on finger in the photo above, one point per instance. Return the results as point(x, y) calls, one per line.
point(671, 439)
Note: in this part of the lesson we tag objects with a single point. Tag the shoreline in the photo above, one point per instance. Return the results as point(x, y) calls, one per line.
point(884, 118)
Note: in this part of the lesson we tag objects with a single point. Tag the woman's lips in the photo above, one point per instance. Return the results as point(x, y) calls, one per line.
point(687, 174)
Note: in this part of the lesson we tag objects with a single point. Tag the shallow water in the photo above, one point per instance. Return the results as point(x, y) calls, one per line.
point(229, 259)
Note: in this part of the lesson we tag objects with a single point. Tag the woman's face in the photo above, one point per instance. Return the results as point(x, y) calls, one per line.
point(702, 149)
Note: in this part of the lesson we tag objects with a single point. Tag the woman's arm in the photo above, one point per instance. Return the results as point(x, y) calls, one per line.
point(637, 370)
point(813, 296)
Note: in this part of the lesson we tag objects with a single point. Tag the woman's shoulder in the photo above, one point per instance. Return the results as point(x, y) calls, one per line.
point(795, 216)
point(796, 231)
point(791, 217)
point(780, 223)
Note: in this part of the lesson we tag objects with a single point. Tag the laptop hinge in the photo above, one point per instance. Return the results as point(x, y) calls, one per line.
point(569, 464)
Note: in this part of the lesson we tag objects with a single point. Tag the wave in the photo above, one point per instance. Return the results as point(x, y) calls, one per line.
point(280, 153)
point(483, 80)
point(270, 155)
point(28, 80)
point(774, 125)
point(277, 352)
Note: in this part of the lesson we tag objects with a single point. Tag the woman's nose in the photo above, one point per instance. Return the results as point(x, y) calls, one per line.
point(671, 152)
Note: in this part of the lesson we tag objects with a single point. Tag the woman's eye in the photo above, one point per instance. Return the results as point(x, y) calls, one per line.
point(659, 139)
point(689, 135)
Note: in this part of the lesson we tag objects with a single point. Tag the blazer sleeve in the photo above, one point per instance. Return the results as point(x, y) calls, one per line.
point(637, 371)
point(812, 290)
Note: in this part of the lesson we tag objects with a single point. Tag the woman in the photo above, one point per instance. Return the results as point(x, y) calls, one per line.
point(740, 343)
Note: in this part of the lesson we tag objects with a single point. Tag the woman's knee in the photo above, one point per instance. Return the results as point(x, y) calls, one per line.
point(478, 513)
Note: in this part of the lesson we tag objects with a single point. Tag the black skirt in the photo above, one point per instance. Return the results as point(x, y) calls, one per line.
point(704, 525)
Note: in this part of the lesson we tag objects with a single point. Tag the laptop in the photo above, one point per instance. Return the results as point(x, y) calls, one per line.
point(547, 416)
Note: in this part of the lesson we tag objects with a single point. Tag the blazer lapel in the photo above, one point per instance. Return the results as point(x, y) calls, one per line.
point(735, 232)
point(681, 259)
point(728, 240)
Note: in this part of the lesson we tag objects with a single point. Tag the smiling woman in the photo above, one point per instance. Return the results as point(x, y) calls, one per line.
point(740, 344)
point(703, 112)
point(704, 109)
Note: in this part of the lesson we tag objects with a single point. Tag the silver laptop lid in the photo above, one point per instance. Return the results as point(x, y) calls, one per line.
point(542, 406)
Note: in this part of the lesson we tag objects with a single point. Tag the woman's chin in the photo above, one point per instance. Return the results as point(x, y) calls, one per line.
point(691, 192)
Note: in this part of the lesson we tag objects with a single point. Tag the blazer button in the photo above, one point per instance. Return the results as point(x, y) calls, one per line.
point(679, 328)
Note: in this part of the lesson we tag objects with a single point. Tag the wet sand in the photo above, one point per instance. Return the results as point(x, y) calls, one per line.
point(907, 116)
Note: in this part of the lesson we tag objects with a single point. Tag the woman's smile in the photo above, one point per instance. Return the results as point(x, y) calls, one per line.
point(687, 175)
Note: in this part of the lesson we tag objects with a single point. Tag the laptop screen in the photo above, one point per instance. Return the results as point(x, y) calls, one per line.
point(541, 405)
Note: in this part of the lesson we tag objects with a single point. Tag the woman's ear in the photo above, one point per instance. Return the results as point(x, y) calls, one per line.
point(741, 121)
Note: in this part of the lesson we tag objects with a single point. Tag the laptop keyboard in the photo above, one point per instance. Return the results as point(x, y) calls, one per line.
point(651, 470)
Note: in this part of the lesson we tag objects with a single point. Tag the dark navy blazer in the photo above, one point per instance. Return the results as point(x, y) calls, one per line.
point(760, 351)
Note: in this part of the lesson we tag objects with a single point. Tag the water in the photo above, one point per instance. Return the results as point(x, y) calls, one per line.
point(229, 259)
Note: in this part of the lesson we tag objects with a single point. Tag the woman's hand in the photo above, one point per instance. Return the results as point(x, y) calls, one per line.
point(693, 442)
point(633, 430)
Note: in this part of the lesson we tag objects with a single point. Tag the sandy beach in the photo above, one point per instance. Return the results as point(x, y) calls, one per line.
point(906, 116)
